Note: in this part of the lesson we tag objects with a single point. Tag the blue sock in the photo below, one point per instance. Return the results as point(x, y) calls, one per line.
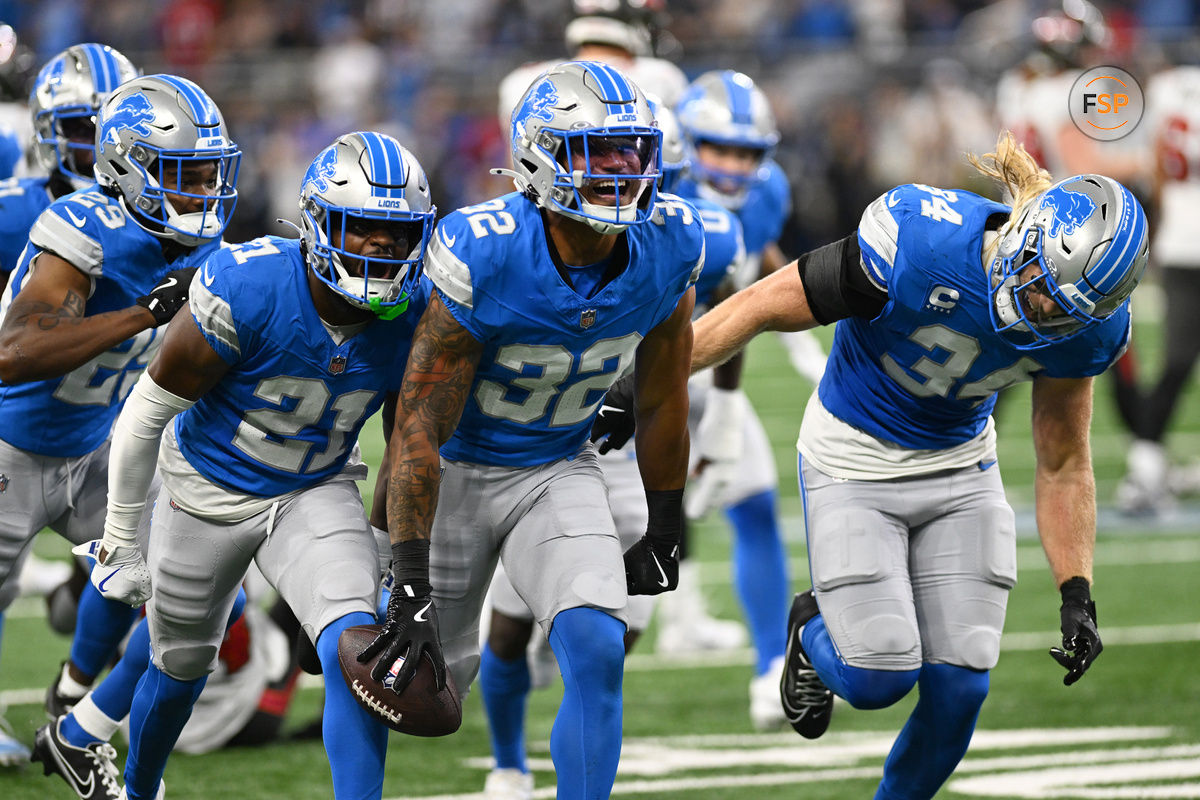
point(101, 625)
point(355, 742)
point(585, 743)
point(505, 686)
point(761, 574)
point(862, 688)
point(937, 734)
point(161, 707)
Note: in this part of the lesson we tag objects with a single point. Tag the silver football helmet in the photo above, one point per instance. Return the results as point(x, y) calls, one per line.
point(727, 108)
point(361, 181)
point(1083, 243)
point(149, 133)
point(66, 95)
point(583, 133)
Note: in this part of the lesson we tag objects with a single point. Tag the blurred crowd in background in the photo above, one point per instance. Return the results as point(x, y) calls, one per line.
point(867, 93)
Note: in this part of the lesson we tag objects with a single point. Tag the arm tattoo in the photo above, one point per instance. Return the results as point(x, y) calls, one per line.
point(44, 316)
point(441, 369)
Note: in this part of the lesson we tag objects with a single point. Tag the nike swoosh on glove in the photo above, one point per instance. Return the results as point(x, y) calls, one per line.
point(123, 576)
point(648, 571)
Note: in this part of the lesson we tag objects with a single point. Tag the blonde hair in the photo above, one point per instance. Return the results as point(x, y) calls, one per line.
point(1017, 173)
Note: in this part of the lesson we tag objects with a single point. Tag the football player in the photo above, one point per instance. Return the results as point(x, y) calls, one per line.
point(505, 675)
point(543, 297)
point(104, 267)
point(1150, 484)
point(942, 298)
point(730, 134)
point(289, 348)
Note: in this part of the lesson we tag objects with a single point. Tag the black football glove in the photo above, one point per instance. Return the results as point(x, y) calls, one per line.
point(169, 295)
point(1080, 638)
point(410, 628)
point(652, 563)
point(615, 423)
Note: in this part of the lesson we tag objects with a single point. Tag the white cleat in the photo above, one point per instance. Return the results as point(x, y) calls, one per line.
point(508, 784)
point(766, 714)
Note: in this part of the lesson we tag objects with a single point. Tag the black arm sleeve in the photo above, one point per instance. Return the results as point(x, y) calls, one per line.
point(836, 283)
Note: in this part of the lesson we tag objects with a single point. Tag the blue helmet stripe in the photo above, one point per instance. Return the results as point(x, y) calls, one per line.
point(387, 165)
point(739, 99)
point(202, 107)
point(100, 67)
point(615, 90)
point(1110, 270)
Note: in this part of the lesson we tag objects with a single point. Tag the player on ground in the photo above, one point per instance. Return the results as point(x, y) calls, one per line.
point(104, 268)
point(289, 347)
point(941, 299)
point(544, 296)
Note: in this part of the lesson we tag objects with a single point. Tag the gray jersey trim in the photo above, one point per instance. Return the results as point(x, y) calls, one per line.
point(52, 232)
point(213, 314)
point(449, 273)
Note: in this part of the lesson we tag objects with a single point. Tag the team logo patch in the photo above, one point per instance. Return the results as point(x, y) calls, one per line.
point(588, 318)
point(3, 483)
point(1071, 209)
point(337, 365)
point(321, 170)
point(536, 106)
point(133, 114)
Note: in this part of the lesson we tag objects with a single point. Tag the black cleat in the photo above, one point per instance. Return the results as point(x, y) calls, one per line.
point(89, 771)
point(807, 703)
point(58, 704)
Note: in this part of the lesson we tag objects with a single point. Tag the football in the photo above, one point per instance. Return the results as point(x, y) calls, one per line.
point(421, 710)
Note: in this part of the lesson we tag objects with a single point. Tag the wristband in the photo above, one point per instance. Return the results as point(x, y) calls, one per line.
point(665, 508)
point(1076, 592)
point(410, 566)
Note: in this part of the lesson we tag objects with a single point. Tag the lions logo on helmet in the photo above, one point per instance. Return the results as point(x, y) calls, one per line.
point(132, 114)
point(534, 106)
point(1071, 209)
point(321, 170)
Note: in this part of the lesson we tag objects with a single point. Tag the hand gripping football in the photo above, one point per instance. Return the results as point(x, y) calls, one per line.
point(420, 710)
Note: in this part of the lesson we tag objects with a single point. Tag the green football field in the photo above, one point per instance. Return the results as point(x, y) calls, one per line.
point(1129, 729)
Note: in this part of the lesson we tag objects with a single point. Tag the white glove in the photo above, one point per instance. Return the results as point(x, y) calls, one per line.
point(123, 576)
point(719, 440)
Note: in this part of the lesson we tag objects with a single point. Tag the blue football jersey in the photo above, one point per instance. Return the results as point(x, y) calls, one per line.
point(925, 372)
point(22, 200)
point(71, 415)
point(723, 247)
point(767, 207)
point(10, 152)
point(288, 412)
point(549, 353)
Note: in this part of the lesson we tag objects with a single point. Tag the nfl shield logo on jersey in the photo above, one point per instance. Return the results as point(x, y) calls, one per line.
point(3, 483)
point(337, 365)
point(587, 318)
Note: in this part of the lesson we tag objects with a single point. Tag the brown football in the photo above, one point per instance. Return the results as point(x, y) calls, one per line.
point(420, 710)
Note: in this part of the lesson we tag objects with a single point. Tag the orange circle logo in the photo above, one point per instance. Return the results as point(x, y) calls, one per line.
point(1106, 103)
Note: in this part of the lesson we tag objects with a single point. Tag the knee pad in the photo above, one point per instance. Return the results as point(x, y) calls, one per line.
point(189, 663)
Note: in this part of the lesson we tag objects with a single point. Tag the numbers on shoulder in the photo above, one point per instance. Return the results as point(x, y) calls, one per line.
point(667, 206)
point(109, 214)
point(245, 251)
point(488, 218)
point(938, 205)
